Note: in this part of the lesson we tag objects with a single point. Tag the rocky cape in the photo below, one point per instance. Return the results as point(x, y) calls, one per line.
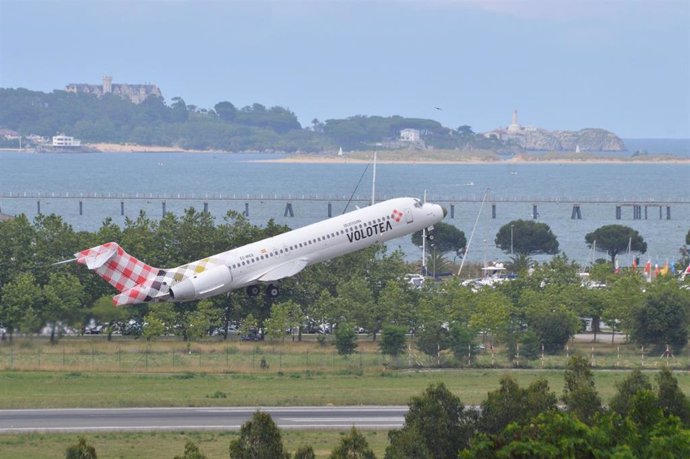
point(537, 139)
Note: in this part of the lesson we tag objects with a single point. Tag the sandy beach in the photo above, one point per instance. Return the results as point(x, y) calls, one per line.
point(403, 157)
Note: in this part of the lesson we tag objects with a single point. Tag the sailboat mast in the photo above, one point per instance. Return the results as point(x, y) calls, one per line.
point(373, 183)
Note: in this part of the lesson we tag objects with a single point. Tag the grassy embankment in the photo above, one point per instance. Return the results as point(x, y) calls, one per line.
point(123, 373)
point(163, 445)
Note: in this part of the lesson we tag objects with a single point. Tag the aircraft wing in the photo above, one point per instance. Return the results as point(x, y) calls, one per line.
point(285, 270)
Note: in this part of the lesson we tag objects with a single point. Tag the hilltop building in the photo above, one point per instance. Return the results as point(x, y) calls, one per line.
point(62, 140)
point(410, 135)
point(135, 93)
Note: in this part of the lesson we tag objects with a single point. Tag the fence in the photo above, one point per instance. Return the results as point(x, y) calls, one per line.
point(237, 357)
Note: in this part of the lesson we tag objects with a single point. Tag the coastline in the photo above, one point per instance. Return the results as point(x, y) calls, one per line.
point(440, 157)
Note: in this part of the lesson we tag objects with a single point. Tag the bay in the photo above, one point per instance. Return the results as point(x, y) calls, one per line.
point(514, 190)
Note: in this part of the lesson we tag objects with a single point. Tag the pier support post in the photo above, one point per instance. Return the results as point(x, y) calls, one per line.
point(163, 207)
point(493, 211)
point(288, 210)
point(122, 207)
point(452, 211)
point(535, 212)
point(205, 207)
point(637, 212)
point(576, 215)
point(668, 212)
point(645, 212)
point(81, 208)
point(618, 212)
point(330, 210)
point(661, 212)
point(38, 207)
point(246, 209)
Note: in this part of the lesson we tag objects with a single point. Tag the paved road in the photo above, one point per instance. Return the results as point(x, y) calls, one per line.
point(130, 419)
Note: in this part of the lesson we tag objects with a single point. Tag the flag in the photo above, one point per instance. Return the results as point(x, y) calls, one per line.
point(664, 271)
point(634, 264)
point(648, 268)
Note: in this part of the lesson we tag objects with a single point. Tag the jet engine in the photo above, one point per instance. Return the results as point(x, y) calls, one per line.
point(202, 285)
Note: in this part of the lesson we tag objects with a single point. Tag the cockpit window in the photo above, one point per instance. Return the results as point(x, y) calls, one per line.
point(417, 203)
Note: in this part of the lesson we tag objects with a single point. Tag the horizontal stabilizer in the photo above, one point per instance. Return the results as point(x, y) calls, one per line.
point(285, 270)
point(96, 257)
point(116, 266)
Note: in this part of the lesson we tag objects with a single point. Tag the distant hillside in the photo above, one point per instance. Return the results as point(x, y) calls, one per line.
point(112, 119)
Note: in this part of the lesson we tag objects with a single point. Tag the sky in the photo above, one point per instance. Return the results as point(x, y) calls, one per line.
point(564, 65)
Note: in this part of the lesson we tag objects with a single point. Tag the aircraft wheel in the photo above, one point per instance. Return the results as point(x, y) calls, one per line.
point(253, 290)
point(272, 291)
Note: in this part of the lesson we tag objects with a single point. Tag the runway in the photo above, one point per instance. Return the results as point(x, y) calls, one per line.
point(174, 419)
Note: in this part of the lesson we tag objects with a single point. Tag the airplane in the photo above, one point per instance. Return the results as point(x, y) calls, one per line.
point(263, 262)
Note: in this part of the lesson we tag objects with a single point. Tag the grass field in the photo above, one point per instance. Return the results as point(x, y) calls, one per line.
point(131, 373)
point(166, 445)
point(91, 390)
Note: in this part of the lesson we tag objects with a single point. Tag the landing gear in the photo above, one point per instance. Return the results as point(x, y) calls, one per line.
point(272, 291)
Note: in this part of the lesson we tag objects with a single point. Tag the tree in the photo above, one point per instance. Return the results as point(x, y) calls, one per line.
point(160, 320)
point(352, 446)
point(663, 316)
point(15, 298)
point(259, 438)
point(520, 263)
point(393, 340)
point(439, 420)
point(552, 434)
point(103, 311)
point(445, 238)
point(465, 131)
point(460, 342)
point(432, 338)
point(408, 444)
point(579, 394)
point(284, 316)
point(63, 296)
point(191, 451)
point(550, 314)
point(345, 339)
point(614, 239)
point(304, 452)
point(671, 399)
point(81, 450)
point(635, 382)
point(511, 403)
point(225, 110)
point(526, 237)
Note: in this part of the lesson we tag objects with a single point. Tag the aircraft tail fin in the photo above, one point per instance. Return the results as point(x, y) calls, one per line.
point(115, 266)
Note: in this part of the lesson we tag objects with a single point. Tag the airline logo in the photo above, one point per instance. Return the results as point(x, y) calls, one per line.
point(397, 215)
point(369, 231)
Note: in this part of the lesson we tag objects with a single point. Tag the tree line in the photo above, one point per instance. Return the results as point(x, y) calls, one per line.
point(642, 420)
point(542, 307)
point(223, 127)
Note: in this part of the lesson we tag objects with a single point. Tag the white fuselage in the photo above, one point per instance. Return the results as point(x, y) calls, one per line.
point(284, 255)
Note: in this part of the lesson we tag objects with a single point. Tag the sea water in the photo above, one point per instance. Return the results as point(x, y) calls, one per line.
point(509, 191)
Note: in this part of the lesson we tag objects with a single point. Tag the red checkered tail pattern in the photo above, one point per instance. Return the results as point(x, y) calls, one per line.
point(117, 267)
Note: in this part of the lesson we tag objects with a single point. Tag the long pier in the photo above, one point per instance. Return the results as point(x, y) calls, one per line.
point(639, 206)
